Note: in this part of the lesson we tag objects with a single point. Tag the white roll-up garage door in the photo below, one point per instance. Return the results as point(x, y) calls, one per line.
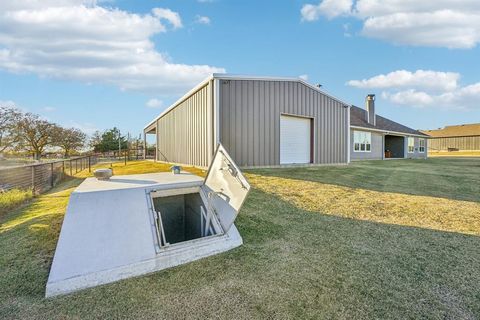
point(294, 139)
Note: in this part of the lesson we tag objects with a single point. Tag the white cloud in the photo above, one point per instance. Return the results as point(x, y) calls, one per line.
point(154, 103)
point(202, 19)
point(402, 78)
point(367, 8)
point(434, 23)
point(444, 28)
point(328, 8)
point(465, 98)
point(423, 89)
point(169, 15)
point(304, 77)
point(82, 41)
point(410, 97)
point(41, 4)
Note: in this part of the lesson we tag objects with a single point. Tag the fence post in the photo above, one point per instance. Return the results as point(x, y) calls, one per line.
point(89, 164)
point(33, 180)
point(70, 167)
point(125, 159)
point(51, 175)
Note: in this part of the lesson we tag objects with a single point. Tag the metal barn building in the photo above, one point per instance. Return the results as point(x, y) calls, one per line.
point(464, 137)
point(262, 122)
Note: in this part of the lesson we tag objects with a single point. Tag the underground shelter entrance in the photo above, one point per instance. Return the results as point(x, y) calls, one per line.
point(180, 218)
point(137, 224)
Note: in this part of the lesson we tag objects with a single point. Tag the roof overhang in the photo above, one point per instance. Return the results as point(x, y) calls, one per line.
point(152, 128)
point(390, 132)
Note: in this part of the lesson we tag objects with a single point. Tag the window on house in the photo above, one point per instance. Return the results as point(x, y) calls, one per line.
point(362, 141)
point(421, 145)
point(411, 144)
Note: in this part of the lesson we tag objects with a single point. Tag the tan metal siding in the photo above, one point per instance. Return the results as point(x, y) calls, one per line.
point(185, 134)
point(250, 127)
point(461, 143)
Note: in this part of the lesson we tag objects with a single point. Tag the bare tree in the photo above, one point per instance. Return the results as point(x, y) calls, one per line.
point(69, 139)
point(35, 133)
point(8, 117)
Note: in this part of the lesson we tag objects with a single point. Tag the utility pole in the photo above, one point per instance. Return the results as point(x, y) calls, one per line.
point(119, 143)
point(128, 145)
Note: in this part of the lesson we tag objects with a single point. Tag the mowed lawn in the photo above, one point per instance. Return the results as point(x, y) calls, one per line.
point(389, 240)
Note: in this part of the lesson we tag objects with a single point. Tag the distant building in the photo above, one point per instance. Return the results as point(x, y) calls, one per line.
point(464, 137)
point(374, 137)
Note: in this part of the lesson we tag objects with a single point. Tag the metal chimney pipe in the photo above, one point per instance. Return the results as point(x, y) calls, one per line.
point(370, 107)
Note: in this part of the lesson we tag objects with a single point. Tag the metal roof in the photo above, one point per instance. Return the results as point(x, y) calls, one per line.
point(462, 130)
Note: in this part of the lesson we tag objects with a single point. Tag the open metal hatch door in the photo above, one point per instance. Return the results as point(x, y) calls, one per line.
point(225, 187)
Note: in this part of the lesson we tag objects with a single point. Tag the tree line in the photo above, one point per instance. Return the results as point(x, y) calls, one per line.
point(28, 132)
point(111, 140)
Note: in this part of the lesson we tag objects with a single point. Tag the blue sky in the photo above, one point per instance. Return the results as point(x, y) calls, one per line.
point(99, 64)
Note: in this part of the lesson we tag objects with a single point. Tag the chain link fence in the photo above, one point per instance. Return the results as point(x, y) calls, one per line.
point(43, 176)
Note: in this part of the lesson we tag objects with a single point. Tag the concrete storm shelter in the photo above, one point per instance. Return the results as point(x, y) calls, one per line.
point(374, 137)
point(262, 122)
point(136, 224)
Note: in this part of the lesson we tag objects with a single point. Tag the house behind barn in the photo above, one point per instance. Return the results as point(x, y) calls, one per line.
point(374, 137)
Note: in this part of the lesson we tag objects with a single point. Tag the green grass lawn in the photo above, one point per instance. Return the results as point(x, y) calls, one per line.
point(12, 199)
point(393, 239)
point(455, 178)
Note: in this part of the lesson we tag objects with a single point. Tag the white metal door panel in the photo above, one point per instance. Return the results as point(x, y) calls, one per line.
point(294, 139)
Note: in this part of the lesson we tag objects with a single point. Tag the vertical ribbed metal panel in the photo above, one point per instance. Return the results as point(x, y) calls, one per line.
point(185, 134)
point(250, 127)
point(461, 143)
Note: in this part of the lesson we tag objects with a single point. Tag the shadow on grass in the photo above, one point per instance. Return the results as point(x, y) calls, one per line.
point(457, 179)
point(293, 264)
